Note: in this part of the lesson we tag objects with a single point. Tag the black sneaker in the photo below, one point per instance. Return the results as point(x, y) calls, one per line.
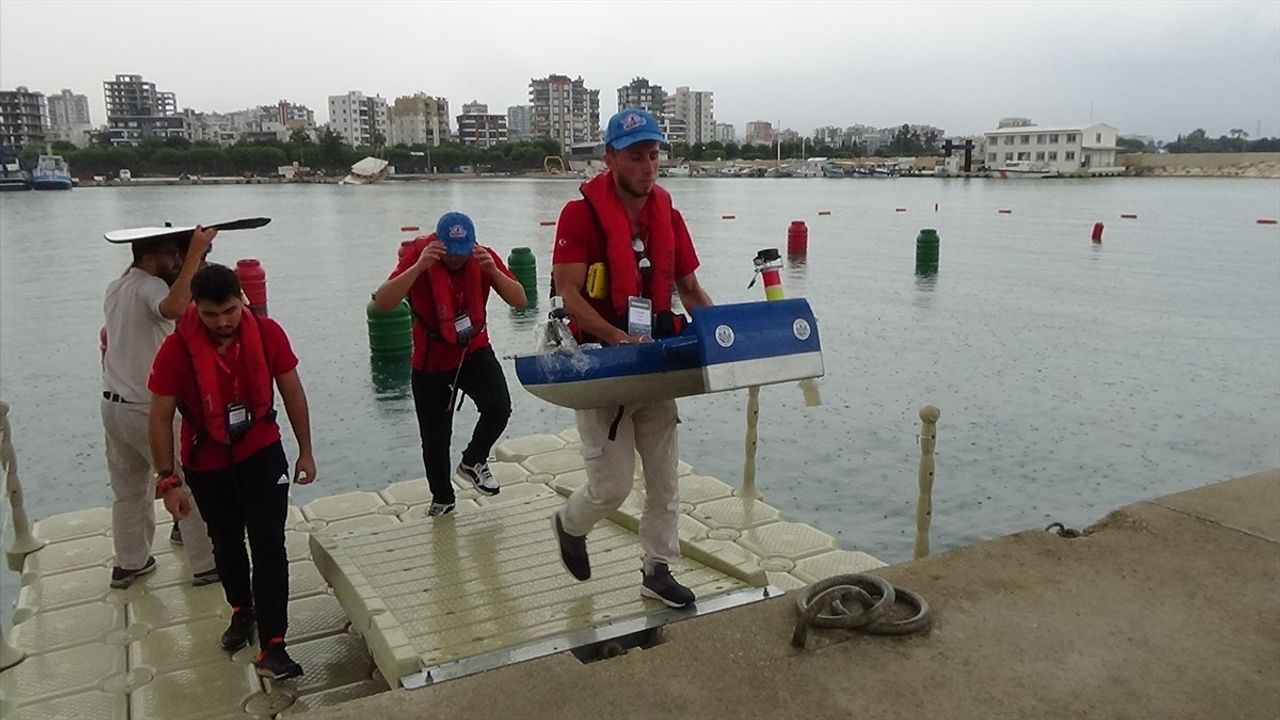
point(208, 577)
point(121, 578)
point(573, 550)
point(440, 509)
point(240, 631)
point(175, 535)
point(659, 585)
point(275, 663)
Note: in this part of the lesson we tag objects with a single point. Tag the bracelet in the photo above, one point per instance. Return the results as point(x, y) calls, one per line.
point(168, 483)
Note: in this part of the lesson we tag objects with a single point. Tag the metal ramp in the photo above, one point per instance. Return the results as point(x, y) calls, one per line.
point(442, 598)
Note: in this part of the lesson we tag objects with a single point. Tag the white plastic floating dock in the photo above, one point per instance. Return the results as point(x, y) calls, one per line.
point(405, 596)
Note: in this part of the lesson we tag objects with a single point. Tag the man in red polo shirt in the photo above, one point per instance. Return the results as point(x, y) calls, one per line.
point(625, 227)
point(447, 277)
point(217, 368)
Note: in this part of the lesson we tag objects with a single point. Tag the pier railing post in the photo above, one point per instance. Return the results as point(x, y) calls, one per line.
point(24, 542)
point(748, 490)
point(924, 505)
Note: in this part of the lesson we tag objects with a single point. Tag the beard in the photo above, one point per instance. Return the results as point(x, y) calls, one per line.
point(629, 189)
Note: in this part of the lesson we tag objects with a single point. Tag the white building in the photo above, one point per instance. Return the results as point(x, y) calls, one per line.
point(478, 128)
point(69, 118)
point(565, 110)
point(759, 132)
point(418, 120)
point(359, 118)
point(696, 109)
point(1067, 150)
point(725, 133)
point(520, 122)
point(674, 129)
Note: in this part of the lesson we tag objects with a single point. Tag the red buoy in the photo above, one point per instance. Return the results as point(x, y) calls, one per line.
point(1267, 221)
point(797, 239)
point(1005, 211)
point(253, 281)
point(1097, 233)
point(409, 228)
point(824, 212)
point(546, 223)
point(899, 209)
point(1128, 216)
point(727, 217)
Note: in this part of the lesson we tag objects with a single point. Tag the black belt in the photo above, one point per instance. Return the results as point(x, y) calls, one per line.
point(108, 395)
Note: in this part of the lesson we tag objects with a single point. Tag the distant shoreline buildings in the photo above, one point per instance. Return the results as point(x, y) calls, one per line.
point(560, 108)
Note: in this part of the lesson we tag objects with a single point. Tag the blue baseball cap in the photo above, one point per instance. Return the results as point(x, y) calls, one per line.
point(630, 126)
point(457, 232)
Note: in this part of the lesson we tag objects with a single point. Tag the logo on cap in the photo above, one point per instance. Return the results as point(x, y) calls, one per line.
point(631, 122)
point(457, 231)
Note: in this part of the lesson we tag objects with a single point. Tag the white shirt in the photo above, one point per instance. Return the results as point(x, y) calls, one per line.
point(135, 329)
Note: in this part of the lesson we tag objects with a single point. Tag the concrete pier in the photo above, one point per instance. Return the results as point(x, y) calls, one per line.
point(1164, 609)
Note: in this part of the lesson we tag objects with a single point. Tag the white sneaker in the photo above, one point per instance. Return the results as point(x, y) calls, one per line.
point(481, 478)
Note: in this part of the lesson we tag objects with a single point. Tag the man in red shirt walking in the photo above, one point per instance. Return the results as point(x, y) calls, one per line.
point(447, 277)
point(625, 227)
point(217, 368)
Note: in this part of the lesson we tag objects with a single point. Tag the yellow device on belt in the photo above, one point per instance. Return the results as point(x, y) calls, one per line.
point(598, 281)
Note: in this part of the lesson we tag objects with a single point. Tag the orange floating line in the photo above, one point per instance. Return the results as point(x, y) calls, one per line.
point(1005, 211)
point(546, 223)
point(728, 217)
point(1128, 216)
point(899, 209)
point(1267, 221)
point(824, 212)
point(409, 228)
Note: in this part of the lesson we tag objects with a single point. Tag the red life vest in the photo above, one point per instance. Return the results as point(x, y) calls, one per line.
point(204, 361)
point(443, 351)
point(625, 279)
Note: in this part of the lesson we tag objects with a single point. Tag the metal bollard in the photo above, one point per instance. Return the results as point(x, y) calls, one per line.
point(24, 542)
point(924, 505)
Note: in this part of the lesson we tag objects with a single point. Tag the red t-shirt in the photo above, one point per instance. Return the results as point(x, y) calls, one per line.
point(442, 356)
point(172, 374)
point(578, 240)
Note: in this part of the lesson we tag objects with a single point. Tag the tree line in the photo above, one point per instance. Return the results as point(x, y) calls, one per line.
point(262, 157)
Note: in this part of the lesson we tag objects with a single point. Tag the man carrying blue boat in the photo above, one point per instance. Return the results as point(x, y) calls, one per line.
point(619, 253)
point(447, 277)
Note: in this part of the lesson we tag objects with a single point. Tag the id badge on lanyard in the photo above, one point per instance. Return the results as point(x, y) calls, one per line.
point(462, 327)
point(639, 317)
point(238, 417)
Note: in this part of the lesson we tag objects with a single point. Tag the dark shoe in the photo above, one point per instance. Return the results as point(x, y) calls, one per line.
point(175, 535)
point(121, 578)
point(573, 550)
point(208, 577)
point(274, 662)
point(440, 509)
point(240, 631)
point(659, 585)
point(481, 478)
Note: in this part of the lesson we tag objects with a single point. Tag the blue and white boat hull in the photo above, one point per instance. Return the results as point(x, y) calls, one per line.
point(727, 347)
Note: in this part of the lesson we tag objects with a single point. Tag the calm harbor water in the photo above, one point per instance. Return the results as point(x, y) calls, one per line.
point(1071, 378)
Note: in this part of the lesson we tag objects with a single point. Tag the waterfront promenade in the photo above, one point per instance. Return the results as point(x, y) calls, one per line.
point(1166, 609)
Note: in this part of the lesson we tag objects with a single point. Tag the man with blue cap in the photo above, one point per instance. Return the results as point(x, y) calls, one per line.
point(627, 237)
point(447, 277)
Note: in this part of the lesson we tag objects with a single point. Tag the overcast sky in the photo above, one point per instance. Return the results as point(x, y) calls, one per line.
point(1147, 68)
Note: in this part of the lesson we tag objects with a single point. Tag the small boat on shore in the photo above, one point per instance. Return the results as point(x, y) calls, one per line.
point(366, 172)
point(12, 176)
point(1022, 170)
point(51, 173)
